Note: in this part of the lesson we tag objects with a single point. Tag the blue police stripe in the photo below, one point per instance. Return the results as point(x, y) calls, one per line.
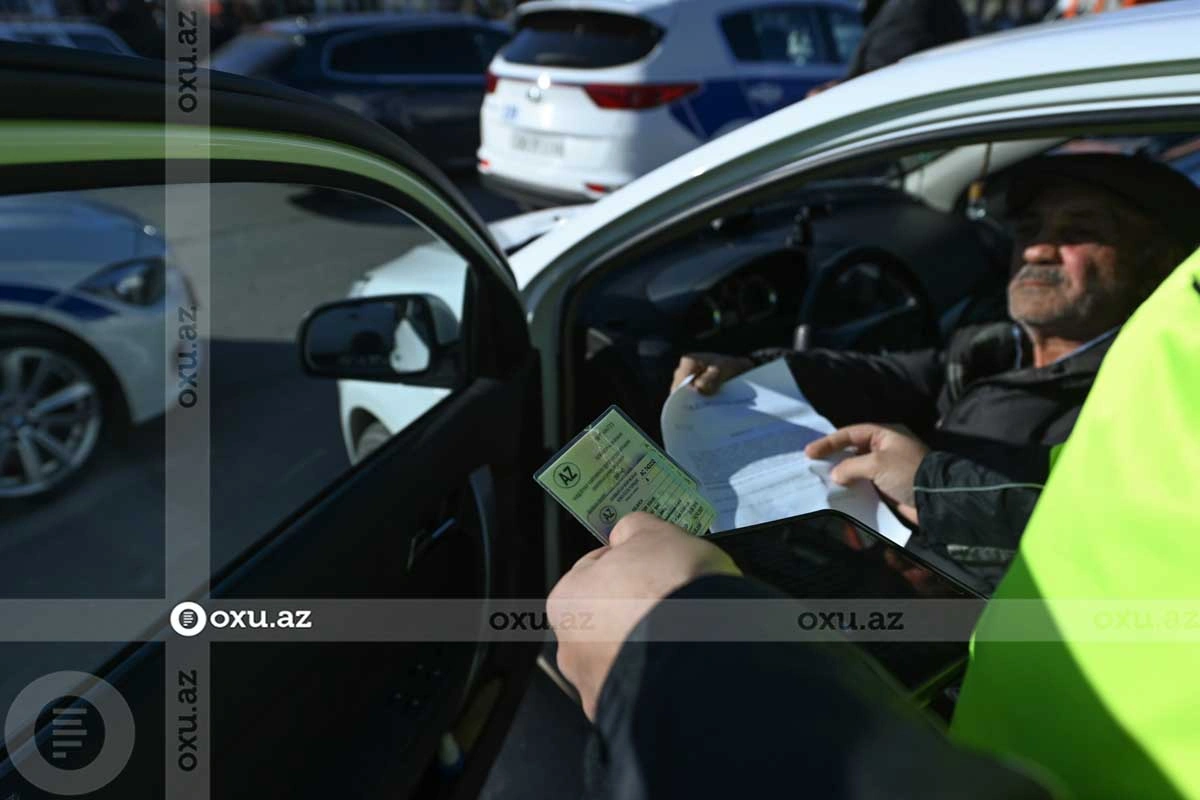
point(82, 308)
point(722, 101)
point(26, 294)
point(78, 307)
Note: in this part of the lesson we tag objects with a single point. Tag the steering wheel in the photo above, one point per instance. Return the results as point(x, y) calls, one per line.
point(869, 299)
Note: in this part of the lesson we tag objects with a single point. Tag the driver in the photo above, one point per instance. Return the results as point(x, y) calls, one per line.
point(960, 440)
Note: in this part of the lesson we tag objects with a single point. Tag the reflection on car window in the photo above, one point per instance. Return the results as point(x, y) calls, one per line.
point(89, 365)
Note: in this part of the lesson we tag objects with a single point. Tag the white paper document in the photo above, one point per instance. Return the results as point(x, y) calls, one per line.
point(745, 445)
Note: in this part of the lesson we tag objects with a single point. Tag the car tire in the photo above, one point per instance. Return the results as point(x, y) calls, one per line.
point(61, 440)
point(371, 439)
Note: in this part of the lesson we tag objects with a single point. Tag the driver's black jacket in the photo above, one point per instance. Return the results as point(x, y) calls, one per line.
point(764, 718)
point(988, 415)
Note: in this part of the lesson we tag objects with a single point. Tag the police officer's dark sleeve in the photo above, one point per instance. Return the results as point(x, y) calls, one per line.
point(770, 719)
point(849, 388)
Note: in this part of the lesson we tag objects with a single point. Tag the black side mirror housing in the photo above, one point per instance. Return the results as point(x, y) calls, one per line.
point(402, 338)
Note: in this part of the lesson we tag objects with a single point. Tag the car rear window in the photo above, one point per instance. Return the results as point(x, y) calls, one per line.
point(254, 54)
point(581, 39)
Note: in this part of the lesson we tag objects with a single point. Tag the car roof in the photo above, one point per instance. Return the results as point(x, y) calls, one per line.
point(1076, 51)
point(325, 23)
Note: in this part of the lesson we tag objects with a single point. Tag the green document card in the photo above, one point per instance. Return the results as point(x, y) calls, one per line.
point(612, 469)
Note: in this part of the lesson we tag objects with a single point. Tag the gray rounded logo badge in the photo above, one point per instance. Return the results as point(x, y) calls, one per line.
point(90, 737)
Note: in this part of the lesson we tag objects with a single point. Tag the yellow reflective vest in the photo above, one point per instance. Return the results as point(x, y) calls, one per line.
point(1086, 664)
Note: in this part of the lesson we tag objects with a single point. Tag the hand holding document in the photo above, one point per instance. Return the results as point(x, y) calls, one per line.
point(745, 445)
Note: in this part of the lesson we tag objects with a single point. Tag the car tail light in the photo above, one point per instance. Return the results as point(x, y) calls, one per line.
point(597, 187)
point(492, 80)
point(637, 97)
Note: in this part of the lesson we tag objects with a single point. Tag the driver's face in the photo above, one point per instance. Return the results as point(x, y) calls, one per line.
point(1073, 263)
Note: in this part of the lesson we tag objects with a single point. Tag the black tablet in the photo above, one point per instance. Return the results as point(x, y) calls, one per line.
point(828, 555)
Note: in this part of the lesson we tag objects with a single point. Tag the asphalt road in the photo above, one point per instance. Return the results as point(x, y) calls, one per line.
point(275, 252)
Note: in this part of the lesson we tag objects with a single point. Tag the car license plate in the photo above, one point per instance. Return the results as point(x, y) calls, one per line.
point(549, 146)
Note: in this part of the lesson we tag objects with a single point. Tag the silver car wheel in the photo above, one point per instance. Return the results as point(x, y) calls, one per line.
point(50, 419)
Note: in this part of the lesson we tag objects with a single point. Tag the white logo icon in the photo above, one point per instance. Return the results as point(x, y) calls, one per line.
point(188, 619)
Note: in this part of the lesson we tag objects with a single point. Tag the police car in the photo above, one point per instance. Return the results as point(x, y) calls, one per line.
point(590, 95)
point(83, 286)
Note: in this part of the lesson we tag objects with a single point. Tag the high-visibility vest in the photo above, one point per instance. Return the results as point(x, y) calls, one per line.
point(1108, 705)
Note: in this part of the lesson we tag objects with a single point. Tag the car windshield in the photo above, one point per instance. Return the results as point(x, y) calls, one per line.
point(581, 39)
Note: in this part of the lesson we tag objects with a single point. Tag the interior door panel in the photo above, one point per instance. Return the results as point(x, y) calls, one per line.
point(374, 706)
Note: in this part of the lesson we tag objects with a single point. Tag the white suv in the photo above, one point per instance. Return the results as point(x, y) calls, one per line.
point(591, 94)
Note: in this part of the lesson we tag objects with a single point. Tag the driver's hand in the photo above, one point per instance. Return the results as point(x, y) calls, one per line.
point(887, 456)
point(614, 587)
point(710, 369)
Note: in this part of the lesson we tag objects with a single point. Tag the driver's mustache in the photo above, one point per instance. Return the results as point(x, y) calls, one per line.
point(1039, 272)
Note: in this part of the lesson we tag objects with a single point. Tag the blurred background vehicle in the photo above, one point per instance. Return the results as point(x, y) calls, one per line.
point(420, 75)
point(589, 95)
point(64, 33)
point(371, 412)
point(83, 287)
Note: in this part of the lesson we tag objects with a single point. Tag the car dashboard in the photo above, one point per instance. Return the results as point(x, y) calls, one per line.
point(738, 285)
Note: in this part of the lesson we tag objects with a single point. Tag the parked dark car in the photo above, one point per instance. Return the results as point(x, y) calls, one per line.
point(421, 75)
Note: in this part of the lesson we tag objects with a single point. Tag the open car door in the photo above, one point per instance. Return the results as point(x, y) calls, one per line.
point(305, 527)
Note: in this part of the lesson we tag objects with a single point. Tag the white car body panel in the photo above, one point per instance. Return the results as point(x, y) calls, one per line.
point(514, 232)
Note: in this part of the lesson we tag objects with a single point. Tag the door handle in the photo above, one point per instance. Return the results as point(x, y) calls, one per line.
point(423, 540)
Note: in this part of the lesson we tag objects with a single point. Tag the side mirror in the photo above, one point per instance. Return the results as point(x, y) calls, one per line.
point(405, 338)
